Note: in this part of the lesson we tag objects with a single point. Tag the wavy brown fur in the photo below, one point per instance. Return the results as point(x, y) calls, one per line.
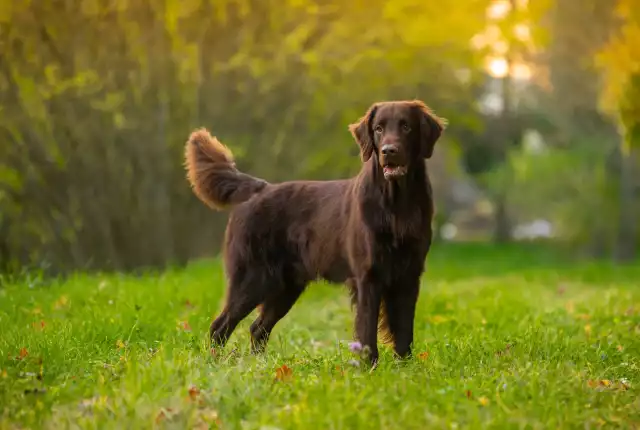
point(371, 232)
point(212, 172)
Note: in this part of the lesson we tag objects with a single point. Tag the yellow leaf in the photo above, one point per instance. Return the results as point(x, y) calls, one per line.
point(61, 302)
point(483, 401)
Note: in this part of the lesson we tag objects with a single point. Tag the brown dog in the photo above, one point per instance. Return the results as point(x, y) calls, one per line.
point(372, 232)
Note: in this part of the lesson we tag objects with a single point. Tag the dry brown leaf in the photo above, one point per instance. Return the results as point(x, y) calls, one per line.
point(423, 355)
point(283, 372)
point(606, 384)
point(468, 394)
point(194, 392)
point(22, 354)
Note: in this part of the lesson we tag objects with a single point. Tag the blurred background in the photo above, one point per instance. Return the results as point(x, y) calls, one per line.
point(97, 98)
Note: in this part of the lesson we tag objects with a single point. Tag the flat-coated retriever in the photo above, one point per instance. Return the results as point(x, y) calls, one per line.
point(371, 232)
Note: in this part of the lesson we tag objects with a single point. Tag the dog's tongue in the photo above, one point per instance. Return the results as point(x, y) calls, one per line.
point(388, 169)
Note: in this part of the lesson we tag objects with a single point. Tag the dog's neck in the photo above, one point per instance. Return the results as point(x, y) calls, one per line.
point(399, 194)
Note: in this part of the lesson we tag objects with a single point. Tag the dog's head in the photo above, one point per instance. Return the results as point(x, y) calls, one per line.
point(399, 133)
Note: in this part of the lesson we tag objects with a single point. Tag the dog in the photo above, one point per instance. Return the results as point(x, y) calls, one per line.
point(371, 232)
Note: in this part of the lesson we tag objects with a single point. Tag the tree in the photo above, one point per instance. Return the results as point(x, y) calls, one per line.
point(619, 61)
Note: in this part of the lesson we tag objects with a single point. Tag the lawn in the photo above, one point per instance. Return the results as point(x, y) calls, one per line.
point(512, 337)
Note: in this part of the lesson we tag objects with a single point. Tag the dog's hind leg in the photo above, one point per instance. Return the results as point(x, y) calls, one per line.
point(245, 293)
point(273, 309)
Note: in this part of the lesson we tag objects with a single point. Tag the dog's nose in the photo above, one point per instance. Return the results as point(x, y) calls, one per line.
point(389, 150)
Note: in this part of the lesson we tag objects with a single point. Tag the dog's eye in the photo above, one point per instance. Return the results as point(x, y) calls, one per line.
point(378, 129)
point(406, 128)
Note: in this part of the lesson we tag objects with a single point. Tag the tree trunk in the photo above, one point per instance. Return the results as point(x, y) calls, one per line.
point(502, 223)
point(626, 238)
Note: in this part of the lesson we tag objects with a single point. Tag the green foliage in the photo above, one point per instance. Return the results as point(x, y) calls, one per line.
point(505, 337)
point(97, 101)
point(570, 188)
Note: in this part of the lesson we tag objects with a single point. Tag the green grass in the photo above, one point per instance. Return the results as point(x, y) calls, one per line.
point(517, 337)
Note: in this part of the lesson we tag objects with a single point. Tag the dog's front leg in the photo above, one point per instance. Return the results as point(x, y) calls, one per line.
point(367, 311)
point(400, 307)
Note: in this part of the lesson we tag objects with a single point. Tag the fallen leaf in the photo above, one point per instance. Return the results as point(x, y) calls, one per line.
point(165, 413)
point(468, 394)
point(483, 401)
point(213, 352)
point(283, 372)
point(23, 354)
point(604, 384)
point(61, 302)
point(423, 355)
point(620, 348)
point(38, 325)
point(194, 392)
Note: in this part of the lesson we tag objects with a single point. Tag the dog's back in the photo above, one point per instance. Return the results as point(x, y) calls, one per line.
point(292, 229)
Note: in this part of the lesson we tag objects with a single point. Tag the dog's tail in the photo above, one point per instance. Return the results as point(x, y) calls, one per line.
point(212, 173)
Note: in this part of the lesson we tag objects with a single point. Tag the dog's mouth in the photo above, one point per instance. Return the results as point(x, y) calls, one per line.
point(393, 171)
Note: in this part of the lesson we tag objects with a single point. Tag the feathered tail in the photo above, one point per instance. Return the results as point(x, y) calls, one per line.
point(212, 173)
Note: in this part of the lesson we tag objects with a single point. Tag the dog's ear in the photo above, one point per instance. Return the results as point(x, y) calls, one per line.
point(431, 127)
point(363, 133)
